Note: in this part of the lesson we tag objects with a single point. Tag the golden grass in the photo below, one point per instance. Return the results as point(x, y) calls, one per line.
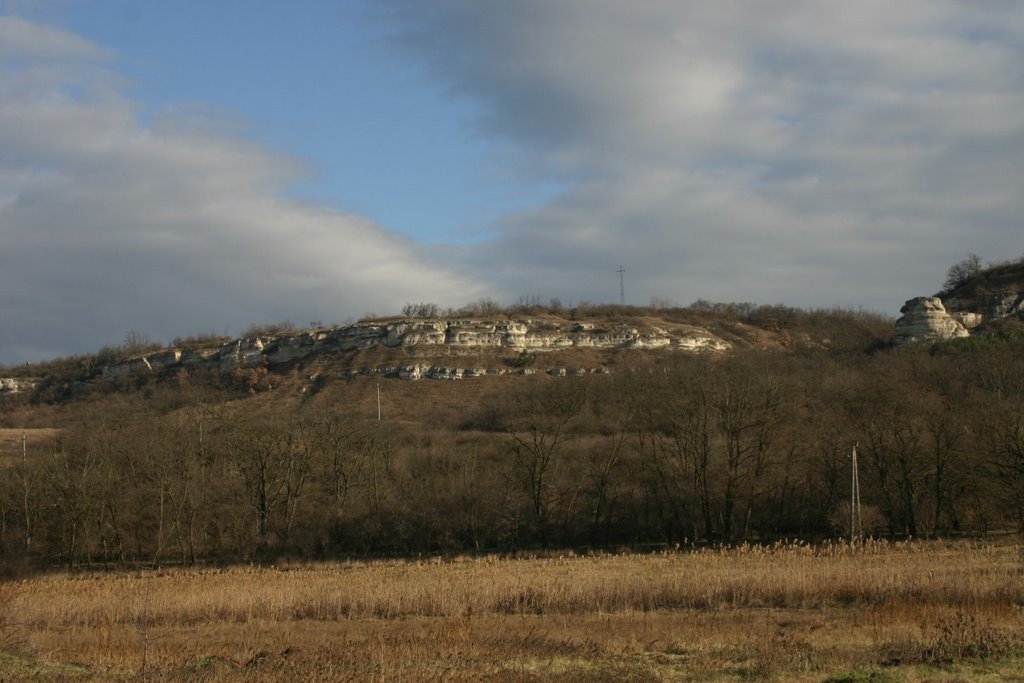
point(11, 442)
point(791, 612)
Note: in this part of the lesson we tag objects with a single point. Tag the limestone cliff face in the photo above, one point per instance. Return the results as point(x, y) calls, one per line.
point(925, 318)
point(426, 337)
point(154, 362)
point(995, 305)
point(16, 385)
point(931, 318)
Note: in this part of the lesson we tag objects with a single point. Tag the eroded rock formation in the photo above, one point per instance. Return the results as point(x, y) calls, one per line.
point(426, 337)
point(931, 318)
point(925, 318)
point(15, 385)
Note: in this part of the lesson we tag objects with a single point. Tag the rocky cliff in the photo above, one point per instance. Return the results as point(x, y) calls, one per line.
point(16, 385)
point(992, 295)
point(926, 319)
point(428, 339)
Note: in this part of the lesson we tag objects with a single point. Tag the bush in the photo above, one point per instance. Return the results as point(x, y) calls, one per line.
point(270, 329)
point(421, 310)
point(524, 360)
point(203, 339)
point(252, 380)
point(483, 306)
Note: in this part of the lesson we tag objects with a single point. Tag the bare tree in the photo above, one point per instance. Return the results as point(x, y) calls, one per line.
point(683, 451)
point(961, 272)
point(538, 427)
point(1005, 440)
point(274, 463)
point(340, 447)
point(421, 310)
point(136, 342)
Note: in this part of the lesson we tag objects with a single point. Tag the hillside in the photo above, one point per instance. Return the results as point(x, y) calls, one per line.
point(994, 295)
point(976, 301)
point(596, 339)
point(611, 427)
point(993, 290)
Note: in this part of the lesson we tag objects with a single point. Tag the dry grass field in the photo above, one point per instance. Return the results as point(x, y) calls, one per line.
point(11, 442)
point(887, 612)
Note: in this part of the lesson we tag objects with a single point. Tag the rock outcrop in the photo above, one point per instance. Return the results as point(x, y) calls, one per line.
point(926, 319)
point(16, 385)
point(425, 337)
point(1004, 305)
point(932, 318)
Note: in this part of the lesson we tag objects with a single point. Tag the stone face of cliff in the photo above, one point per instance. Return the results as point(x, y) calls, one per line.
point(925, 319)
point(429, 337)
point(994, 294)
point(995, 305)
point(16, 385)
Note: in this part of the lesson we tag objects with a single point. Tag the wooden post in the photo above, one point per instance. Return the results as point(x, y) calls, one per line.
point(856, 530)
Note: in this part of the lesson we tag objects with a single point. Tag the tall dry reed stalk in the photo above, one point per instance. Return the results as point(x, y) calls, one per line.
point(787, 612)
point(792, 575)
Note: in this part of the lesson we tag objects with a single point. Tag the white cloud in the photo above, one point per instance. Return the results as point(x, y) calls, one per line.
point(810, 152)
point(109, 225)
point(801, 151)
point(21, 39)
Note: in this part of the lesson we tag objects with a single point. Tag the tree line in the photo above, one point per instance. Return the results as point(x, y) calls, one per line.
point(754, 446)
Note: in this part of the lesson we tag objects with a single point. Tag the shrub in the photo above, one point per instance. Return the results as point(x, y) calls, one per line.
point(421, 310)
point(524, 360)
point(270, 329)
point(202, 339)
point(252, 380)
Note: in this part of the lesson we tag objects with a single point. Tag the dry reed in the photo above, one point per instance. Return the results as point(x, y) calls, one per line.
point(888, 603)
point(782, 576)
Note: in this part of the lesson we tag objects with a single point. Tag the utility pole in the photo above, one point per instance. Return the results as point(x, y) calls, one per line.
point(622, 288)
point(856, 530)
point(25, 483)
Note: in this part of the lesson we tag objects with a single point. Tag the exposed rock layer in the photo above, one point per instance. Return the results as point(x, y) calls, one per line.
point(930, 318)
point(14, 385)
point(925, 318)
point(426, 337)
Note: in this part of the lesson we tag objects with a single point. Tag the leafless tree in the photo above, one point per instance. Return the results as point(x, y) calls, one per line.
point(961, 272)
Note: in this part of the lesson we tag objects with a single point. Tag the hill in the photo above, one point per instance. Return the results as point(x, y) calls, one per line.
point(582, 340)
point(976, 301)
point(598, 427)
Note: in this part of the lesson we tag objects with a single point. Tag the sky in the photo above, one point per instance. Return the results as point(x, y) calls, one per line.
point(173, 169)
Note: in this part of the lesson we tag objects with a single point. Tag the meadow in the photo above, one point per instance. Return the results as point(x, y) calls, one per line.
point(915, 611)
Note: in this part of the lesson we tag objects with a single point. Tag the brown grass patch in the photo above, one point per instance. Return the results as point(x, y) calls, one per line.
point(790, 612)
point(11, 441)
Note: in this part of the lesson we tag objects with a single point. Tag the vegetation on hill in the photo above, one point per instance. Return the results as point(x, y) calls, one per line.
point(972, 284)
point(704, 463)
point(848, 330)
point(668, 449)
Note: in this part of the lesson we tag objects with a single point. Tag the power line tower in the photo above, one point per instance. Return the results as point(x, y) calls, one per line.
point(622, 287)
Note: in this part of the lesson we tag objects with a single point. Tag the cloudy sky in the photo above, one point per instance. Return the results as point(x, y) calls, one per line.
point(198, 167)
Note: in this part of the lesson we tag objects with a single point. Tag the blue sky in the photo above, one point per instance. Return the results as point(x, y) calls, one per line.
point(333, 93)
point(191, 167)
